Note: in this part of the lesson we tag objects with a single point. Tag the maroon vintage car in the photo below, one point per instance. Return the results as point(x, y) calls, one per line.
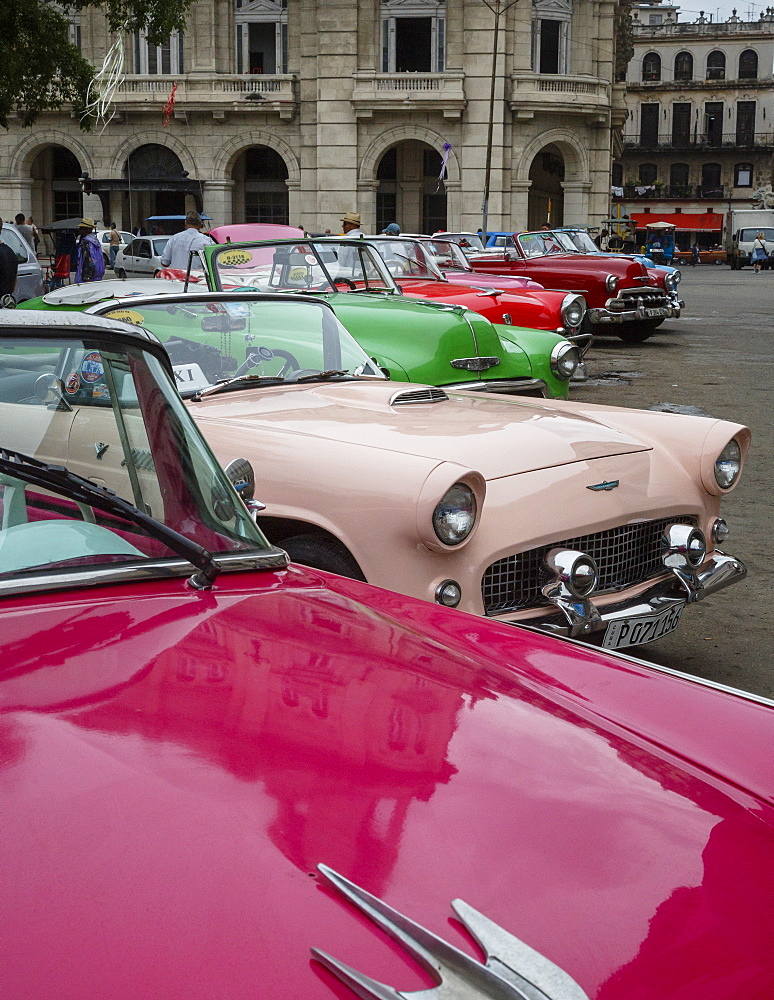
point(412, 263)
point(623, 296)
point(224, 777)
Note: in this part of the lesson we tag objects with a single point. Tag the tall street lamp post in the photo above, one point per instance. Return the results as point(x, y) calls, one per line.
point(497, 7)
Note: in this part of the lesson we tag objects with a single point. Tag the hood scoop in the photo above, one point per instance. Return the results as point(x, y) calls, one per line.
point(407, 397)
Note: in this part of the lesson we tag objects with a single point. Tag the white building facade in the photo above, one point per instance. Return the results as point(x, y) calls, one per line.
point(300, 110)
point(699, 132)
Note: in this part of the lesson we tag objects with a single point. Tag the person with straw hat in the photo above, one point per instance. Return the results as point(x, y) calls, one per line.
point(90, 264)
point(350, 225)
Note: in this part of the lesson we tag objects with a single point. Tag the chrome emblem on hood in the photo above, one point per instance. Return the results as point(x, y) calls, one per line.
point(513, 970)
point(604, 486)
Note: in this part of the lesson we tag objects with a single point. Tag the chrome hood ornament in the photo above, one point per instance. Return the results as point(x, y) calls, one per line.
point(513, 970)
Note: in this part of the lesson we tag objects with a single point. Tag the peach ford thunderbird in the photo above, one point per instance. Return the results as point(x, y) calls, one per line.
point(589, 521)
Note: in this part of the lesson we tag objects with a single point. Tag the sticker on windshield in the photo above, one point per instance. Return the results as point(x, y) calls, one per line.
point(91, 367)
point(72, 383)
point(189, 376)
point(237, 310)
point(235, 257)
point(127, 315)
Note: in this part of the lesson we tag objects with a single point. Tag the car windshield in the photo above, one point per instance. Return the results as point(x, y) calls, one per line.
point(107, 411)
point(447, 254)
point(578, 239)
point(160, 245)
point(17, 244)
point(303, 266)
point(260, 340)
point(407, 259)
point(542, 243)
point(469, 242)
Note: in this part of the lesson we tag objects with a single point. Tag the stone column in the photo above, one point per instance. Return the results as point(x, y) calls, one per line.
point(576, 202)
point(294, 204)
point(453, 205)
point(218, 195)
point(16, 196)
point(366, 204)
point(519, 210)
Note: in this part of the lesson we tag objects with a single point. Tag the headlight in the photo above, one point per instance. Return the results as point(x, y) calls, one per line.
point(611, 282)
point(573, 310)
point(670, 282)
point(565, 358)
point(455, 514)
point(728, 465)
point(678, 276)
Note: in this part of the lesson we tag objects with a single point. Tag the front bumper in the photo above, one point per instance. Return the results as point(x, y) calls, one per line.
point(616, 311)
point(581, 619)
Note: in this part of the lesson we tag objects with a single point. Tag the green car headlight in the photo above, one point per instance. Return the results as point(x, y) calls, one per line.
point(565, 358)
point(455, 514)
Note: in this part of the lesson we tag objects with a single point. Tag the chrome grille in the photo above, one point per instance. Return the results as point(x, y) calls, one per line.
point(625, 555)
point(650, 296)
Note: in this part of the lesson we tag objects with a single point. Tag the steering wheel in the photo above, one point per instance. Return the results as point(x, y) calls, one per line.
point(346, 281)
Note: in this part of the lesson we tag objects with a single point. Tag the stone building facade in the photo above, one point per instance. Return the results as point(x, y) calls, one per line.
point(300, 110)
point(699, 132)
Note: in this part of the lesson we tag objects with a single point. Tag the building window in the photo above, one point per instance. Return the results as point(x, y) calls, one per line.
point(713, 123)
point(743, 175)
point(156, 60)
point(678, 180)
point(655, 18)
point(745, 123)
point(74, 32)
point(651, 67)
point(683, 67)
point(617, 177)
point(266, 190)
point(681, 124)
point(649, 124)
point(551, 21)
point(262, 36)
point(748, 65)
point(710, 181)
point(716, 66)
point(413, 36)
point(648, 173)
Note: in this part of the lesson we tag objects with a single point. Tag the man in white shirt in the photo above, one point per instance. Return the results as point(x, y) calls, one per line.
point(176, 253)
point(350, 226)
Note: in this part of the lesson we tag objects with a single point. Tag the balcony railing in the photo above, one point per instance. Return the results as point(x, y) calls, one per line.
point(703, 140)
point(212, 91)
point(689, 191)
point(711, 28)
point(443, 92)
point(531, 92)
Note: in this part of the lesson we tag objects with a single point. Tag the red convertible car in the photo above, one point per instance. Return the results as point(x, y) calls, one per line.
point(623, 296)
point(412, 263)
point(223, 777)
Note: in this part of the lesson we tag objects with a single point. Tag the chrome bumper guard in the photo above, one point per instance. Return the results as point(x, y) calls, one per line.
point(518, 387)
point(642, 312)
point(582, 619)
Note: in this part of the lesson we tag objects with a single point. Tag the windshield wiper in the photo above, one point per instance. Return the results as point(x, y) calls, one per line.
point(321, 376)
point(59, 479)
point(238, 382)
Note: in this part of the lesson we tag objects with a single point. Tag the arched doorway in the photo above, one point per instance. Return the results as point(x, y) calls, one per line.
point(409, 191)
point(546, 196)
point(56, 188)
point(260, 186)
point(157, 184)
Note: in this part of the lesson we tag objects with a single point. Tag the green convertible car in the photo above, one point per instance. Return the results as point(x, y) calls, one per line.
point(431, 343)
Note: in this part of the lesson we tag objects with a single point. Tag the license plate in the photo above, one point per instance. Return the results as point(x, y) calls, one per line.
point(644, 628)
point(654, 313)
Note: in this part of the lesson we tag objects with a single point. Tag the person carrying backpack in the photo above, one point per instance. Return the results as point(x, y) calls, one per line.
point(759, 253)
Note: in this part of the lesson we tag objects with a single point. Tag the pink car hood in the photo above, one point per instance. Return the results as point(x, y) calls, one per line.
point(174, 765)
point(495, 436)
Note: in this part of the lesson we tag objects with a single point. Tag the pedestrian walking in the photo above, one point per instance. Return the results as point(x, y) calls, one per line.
point(179, 247)
point(90, 263)
point(115, 244)
point(759, 252)
point(9, 267)
point(28, 232)
point(694, 255)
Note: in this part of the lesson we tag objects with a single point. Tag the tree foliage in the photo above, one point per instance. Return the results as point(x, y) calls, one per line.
point(42, 69)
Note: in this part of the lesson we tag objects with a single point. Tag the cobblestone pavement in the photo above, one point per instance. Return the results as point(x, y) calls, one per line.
point(717, 359)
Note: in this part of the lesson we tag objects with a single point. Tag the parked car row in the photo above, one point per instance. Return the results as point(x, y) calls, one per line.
point(224, 775)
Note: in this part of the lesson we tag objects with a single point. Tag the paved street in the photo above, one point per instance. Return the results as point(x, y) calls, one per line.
point(718, 359)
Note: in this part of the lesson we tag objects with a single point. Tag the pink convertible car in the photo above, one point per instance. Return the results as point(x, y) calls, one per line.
point(590, 521)
point(227, 778)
